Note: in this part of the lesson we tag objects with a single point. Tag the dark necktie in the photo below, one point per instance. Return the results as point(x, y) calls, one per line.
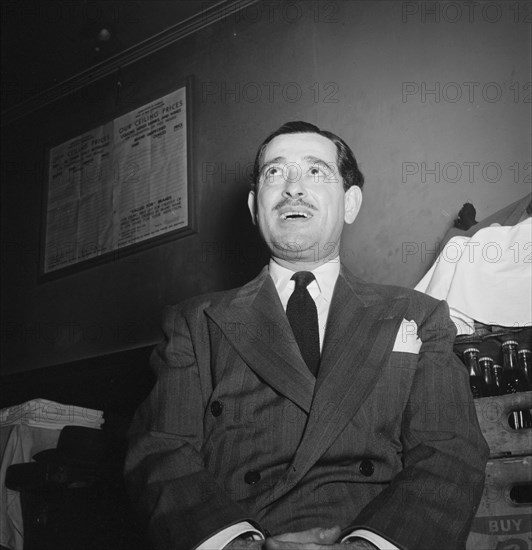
point(303, 317)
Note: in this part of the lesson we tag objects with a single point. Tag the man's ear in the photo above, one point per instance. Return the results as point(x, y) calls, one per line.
point(352, 203)
point(252, 202)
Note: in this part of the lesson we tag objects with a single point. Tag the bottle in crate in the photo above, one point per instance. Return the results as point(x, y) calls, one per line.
point(476, 380)
point(514, 379)
point(524, 354)
point(490, 370)
point(524, 359)
point(498, 378)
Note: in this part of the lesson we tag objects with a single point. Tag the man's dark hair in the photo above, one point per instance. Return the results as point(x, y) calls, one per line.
point(347, 164)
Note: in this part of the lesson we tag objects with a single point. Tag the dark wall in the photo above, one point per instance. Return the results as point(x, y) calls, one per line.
point(362, 69)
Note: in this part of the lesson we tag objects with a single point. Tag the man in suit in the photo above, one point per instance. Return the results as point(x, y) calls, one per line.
point(308, 408)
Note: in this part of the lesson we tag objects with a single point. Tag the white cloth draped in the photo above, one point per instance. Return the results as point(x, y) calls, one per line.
point(485, 278)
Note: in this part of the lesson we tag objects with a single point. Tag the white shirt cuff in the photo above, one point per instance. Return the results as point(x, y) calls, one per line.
point(372, 537)
point(229, 534)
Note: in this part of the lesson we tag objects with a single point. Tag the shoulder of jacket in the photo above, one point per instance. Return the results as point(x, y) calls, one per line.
point(202, 301)
point(418, 300)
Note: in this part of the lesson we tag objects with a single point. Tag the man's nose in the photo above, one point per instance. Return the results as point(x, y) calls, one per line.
point(293, 182)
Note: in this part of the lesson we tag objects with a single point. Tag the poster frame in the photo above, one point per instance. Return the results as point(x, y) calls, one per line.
point(145, 244)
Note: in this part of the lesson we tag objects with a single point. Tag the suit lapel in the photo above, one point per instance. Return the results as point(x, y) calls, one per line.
point(360, 334)
point(255, 324)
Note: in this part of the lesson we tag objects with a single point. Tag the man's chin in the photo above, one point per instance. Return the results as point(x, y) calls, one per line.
point(294, 251)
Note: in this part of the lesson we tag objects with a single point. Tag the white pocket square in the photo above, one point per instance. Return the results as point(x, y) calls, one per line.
point(407, 339)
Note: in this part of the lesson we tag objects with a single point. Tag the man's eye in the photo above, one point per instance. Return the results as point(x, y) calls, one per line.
point(317, 172)
point(272, 172)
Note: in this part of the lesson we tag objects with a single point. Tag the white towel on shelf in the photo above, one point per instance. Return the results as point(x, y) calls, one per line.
point(485, 278)
point(42, 413)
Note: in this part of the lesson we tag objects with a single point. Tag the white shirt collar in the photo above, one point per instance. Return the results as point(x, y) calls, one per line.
point(326, 276)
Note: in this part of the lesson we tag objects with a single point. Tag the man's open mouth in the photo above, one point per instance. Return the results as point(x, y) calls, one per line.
point(295, 215)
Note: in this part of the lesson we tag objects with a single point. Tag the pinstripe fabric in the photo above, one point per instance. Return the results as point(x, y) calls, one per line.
point(409, 416)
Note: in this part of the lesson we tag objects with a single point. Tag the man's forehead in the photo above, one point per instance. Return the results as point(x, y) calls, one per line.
point(291, 146)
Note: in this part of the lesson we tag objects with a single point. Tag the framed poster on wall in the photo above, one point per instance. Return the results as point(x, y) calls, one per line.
point(119, 187)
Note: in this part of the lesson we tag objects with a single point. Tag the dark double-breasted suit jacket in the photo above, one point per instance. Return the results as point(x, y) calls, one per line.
point(237, 428)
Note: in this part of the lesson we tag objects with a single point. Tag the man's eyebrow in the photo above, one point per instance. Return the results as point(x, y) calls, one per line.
point(276, 160)
point(311, 159)
point(320, 162)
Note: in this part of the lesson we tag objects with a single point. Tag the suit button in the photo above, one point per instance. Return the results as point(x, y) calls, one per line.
point(366, 468)
point(252, 477)
point(216, 408)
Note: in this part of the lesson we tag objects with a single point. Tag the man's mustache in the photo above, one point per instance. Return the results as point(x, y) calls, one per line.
point(294, 203)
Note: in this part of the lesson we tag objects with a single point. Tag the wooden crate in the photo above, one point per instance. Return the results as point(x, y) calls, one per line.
point(501, 523)
point(493, 414)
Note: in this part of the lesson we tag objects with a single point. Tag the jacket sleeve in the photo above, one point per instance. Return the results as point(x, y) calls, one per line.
point(169, 484)
point(433, 500)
